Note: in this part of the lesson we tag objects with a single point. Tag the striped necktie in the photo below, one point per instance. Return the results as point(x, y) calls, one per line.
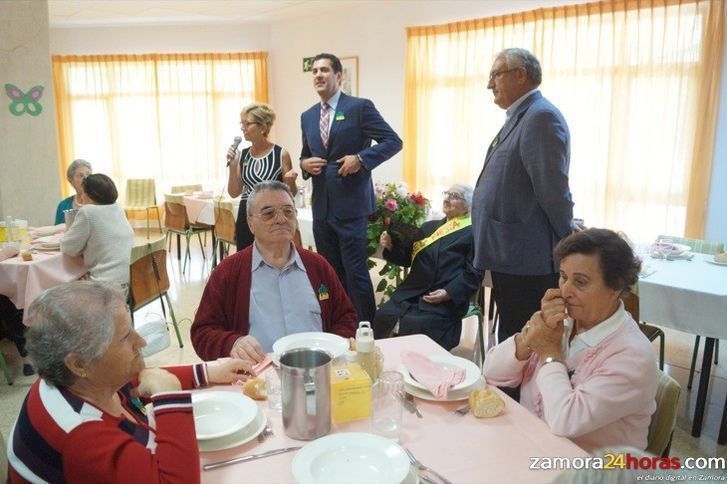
point(325, 121)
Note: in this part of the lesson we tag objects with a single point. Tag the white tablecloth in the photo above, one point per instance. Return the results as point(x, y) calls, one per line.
point(690, 296)
point(305, 225)
point(202, 210)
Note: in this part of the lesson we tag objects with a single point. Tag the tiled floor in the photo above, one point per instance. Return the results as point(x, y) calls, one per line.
point(187, 288)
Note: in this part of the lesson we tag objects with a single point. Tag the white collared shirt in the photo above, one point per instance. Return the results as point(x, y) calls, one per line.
point(596, 334)
point(332, 104)
point(513, 107)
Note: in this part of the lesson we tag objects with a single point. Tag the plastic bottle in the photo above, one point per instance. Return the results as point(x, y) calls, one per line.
point(366, 356)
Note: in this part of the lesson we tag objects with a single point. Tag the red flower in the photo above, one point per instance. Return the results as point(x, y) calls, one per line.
point(391, 205)
point(387, 221)
point(418, 198)
point(372, 217)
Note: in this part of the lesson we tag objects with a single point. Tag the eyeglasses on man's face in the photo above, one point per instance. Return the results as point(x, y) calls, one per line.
point(497, 74)
point(453, 195)
point(268, 214)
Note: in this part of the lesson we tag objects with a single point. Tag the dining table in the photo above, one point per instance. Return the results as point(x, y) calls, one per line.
point(688, 294)
point(462, 448)
point(23, 281)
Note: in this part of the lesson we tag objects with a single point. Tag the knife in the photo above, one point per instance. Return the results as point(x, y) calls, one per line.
point(409, 404)
point(246, 458)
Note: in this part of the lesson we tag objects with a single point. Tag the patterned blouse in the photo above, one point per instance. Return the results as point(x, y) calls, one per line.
point(255, 170)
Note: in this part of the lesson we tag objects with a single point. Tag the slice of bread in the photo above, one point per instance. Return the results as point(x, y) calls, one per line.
point(721, 258)
point(256, 388)
point(486, 403)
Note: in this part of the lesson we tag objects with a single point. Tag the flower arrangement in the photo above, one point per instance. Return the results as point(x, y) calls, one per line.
point(394, 204)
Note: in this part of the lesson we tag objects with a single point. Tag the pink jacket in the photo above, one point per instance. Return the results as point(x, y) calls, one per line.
point(609, 400)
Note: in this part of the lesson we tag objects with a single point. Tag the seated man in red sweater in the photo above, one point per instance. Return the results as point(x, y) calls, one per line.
point(270, 289)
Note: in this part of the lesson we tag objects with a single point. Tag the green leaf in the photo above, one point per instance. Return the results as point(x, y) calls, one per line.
point(381, 286)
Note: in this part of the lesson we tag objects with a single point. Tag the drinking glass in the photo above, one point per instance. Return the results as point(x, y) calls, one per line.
point(275, 401)
point(386, 408)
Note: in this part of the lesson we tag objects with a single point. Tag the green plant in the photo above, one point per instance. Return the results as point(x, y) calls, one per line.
point(394, 204)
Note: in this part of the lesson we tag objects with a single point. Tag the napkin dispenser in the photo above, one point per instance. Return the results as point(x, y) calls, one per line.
point(350, 393)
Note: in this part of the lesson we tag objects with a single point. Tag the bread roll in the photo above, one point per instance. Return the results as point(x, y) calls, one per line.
point(256, 388)
point(26, 255)
point(486, 403)
point(722, 258)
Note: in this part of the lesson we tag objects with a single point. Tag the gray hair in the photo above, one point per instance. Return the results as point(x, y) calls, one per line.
point(73, 318)
point(267, 186)
point(517, 57)
point(467, 192)
point(75, 165)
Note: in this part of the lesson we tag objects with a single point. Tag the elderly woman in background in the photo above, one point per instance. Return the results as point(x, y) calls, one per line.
point(101, 232)
point(583, 364)
point(75, 174)
point(435, 295)
point(261, 161)
point(82, 421)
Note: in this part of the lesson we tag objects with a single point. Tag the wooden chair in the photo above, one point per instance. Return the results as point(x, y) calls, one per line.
point(631, 304)
point(703, 247)
point(186, 188)
point(664, 418)
point(141, 195)
point(176, 221)
point(224, 228)
point(149, 281)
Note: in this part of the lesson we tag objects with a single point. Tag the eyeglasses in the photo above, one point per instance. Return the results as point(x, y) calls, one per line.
point(246, 125)
point(453, 195)
point(497, 74)
point(269, 214)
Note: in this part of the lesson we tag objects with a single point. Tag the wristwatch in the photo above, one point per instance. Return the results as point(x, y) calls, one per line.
point(550, 359)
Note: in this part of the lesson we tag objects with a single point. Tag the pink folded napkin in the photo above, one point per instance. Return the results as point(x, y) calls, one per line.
point(437, 379)
point(7, 252)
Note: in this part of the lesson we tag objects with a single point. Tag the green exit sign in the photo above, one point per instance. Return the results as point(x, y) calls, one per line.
point(307, 64)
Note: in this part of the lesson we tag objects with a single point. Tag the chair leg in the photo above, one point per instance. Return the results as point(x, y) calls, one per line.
point(159, 221)
point(6, 370)
point(481, 339)
point(716, 352)
point(661, 351)
point(199, 236)
point(179, 247)
point(174, 320)
point(147, 224)
point(694, 363)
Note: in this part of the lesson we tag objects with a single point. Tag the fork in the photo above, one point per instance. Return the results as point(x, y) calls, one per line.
point(463, 410)
point(267, 432)
point(422, 468)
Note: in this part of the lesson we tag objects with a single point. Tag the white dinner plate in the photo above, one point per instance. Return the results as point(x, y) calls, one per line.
point(217, 414)
point(446, 361)
point(332, 343)
point(351, 457)
point(238, 438)
point(452, 395)
point(671, 248)
point(46, 249)
point(712, 261)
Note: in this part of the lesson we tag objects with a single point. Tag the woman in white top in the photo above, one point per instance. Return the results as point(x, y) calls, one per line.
point(101, 232)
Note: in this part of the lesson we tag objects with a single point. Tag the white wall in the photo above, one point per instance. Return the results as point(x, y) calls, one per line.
point(716, 227)
point(372, 30)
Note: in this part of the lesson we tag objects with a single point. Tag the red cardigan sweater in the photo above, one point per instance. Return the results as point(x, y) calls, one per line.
point(223, 313)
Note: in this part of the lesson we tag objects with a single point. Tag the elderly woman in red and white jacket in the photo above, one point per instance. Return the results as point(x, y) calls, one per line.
point(84, 420)
point(581, 362)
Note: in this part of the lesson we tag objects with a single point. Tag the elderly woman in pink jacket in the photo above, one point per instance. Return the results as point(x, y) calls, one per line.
point(581, 361)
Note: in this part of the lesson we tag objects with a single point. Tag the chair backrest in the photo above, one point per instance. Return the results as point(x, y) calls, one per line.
point(665, 417)
point(147, 282)
point(225, 221)
point(141, 192)
point(175, 213)
point(698, 245)
point(186, 188)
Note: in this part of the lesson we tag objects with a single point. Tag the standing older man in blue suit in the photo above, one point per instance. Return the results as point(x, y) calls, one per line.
point(522, 205)
point(337, 153)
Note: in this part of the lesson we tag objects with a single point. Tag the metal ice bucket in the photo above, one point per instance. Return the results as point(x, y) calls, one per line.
point(306, 393)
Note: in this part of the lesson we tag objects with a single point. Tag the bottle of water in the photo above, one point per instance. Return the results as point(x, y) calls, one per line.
point(366, 356)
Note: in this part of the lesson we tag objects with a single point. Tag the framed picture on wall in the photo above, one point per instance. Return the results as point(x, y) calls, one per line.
point(349, 80)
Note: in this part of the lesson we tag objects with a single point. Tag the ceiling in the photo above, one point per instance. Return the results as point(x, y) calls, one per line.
point(78, 13)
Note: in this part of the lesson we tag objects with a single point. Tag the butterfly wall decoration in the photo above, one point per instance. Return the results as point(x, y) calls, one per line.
point(22, 102)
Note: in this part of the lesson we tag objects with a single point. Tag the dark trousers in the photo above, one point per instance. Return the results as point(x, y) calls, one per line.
point(445, 330)
point(11, 324)
point(343, 244)
point(243, 236)
point(517, 298)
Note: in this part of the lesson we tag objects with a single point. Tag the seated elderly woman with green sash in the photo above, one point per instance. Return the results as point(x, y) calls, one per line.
point(435, 295)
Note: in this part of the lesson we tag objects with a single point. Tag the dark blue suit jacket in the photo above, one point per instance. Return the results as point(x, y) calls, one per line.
point(522, 204)
point(354, 125)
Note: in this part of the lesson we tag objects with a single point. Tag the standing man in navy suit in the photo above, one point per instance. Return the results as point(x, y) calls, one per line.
point(522, 204)
point(338, 155)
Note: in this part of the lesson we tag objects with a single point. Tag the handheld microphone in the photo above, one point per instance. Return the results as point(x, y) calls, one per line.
point(235, 144)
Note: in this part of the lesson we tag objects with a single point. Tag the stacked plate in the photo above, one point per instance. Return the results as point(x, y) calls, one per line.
point(661, 250)
point(473, 378)
point(352, 458)
point(47, 243)
point(225, 419)
point(331, 343)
